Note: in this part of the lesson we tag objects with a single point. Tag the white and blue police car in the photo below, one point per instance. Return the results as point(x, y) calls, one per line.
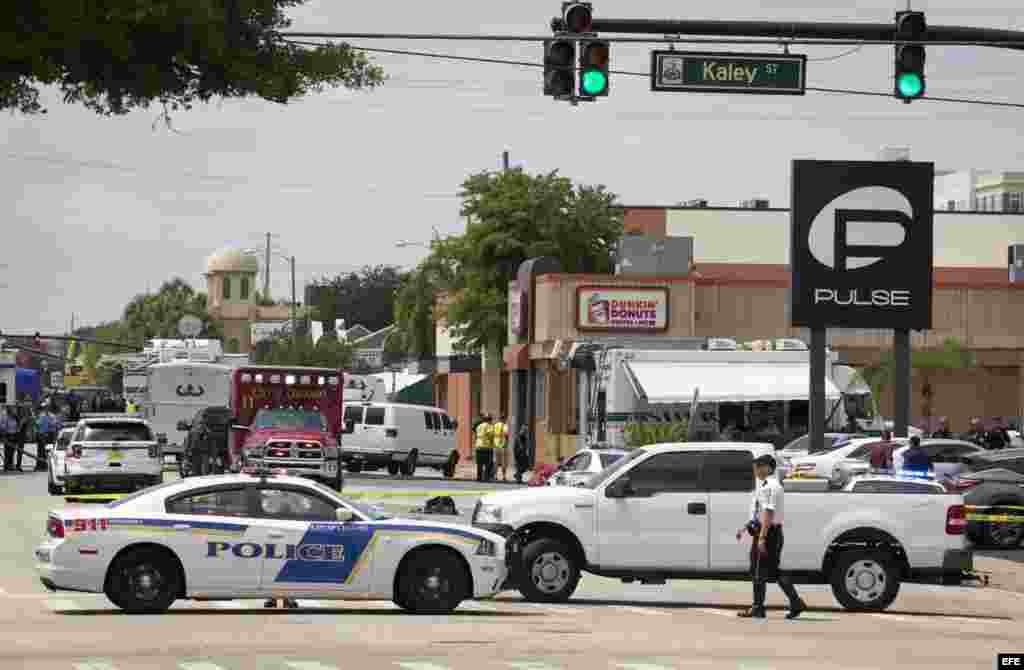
point(263, 535)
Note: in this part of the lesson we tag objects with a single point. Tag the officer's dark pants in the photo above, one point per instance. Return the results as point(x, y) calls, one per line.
point(484, 464)
point(521, 464)
point(764, 568)
point(19, 451)
point(8, 454)
point(41, 443)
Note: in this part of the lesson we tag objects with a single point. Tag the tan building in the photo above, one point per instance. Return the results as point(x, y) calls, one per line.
point(231, 298)
point(738, 288)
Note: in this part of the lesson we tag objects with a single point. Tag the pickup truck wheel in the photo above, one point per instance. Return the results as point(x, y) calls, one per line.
point(144, 581)
point(865, 580)
point(549, 573)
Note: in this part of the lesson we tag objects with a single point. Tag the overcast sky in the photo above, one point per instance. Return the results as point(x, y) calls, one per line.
point(98, 209)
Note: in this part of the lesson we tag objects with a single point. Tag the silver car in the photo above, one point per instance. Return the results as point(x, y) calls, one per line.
point(584, 465)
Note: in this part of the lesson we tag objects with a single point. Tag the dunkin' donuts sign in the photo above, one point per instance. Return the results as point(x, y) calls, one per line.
point(607, 308)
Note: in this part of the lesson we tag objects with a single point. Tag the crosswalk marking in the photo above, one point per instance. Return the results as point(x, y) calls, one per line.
point(642, 610)
point(199, 665)
point(94, 665)
point(309, 665)
point(416, 665)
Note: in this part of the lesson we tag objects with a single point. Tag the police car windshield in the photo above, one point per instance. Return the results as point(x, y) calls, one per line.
point(614, 468)
point(290, 419)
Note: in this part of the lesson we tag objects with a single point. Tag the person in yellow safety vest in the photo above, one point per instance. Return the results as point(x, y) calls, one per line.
point(501, 446)
point(130, 407)
point(484, 449)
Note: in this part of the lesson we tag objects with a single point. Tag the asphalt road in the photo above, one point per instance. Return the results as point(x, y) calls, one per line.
point(686, 624)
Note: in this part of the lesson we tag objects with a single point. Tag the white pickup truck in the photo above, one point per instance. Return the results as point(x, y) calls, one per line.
point(671, 511)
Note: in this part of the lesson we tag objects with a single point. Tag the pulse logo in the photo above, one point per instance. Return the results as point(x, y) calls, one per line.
point(855, 231)
point(861, 244)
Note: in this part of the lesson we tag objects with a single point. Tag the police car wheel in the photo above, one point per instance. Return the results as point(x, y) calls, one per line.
point(865, 580)
point(549, 572)
point(144, 581)
point(431, 582)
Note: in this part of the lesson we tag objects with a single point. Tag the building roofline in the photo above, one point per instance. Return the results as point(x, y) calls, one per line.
point(938, 212)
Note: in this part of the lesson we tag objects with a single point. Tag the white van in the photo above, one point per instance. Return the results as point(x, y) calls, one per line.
point(399, 438)
point(179, 389)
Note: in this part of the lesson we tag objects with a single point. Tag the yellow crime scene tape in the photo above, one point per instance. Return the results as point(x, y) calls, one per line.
point(111, 497)
point(994, 513)
point(94, 497)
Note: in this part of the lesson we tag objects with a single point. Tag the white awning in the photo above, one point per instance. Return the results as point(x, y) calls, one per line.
point(663, 383)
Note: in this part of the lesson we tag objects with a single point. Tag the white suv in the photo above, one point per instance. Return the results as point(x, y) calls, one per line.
point(112, 453)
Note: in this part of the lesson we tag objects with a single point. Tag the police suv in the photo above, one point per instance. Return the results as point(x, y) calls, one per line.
point(112, 452)
point(261, 535)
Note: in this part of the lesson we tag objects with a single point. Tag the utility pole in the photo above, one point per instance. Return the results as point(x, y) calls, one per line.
point(504, 160)
point(295, 336)
point(266, 271)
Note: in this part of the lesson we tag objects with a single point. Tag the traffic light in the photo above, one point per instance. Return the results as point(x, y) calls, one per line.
point(577, 17)
point(909, 68)
point(559, 67)
point(594, 57)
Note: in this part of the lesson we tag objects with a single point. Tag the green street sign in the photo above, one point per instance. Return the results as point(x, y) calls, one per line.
point(710, 72)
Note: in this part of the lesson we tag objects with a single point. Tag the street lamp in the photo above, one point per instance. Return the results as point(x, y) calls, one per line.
point(402, 244)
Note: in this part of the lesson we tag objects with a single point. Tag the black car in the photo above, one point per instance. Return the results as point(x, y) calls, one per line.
point(995, 480)
point(207, 441)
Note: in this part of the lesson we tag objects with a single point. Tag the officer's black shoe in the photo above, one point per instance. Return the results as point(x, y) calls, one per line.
point(270, 603)
point(752, 613)
point(796, 609)
point(291, 604)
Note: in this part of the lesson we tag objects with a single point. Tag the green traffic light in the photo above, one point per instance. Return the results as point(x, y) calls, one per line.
point(594, 82)
point(910, 85)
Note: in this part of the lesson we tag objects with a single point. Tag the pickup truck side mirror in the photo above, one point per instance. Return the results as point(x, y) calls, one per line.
point(620, 488)
point(184, 426)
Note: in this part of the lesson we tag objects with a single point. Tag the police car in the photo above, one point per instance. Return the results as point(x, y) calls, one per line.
point(262, 535)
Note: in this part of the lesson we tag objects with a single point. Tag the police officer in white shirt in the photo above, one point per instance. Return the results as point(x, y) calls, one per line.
point(765, 527)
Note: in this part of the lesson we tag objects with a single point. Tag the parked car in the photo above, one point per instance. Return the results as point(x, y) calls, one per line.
point(584, 465)
point(893, 484)
point(55, 455)
point(822, 465)
point(208, 434)
point(994, 479)
point(112, 453)
point(857, 462)
point(399, 438)
point(947, 458)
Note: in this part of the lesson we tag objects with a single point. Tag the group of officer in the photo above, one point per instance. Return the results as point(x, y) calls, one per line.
point(19, 426)
point(491, 442)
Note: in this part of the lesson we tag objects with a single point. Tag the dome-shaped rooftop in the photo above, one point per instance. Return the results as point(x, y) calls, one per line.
point(232, 260)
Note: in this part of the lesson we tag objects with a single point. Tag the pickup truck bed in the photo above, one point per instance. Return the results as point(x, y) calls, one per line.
point(678, 516)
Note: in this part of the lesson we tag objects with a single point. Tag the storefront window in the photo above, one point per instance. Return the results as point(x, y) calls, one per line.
point(227, 288)
point(244, 294)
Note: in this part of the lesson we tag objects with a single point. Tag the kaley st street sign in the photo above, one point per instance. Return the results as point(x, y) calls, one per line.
point(778, 74)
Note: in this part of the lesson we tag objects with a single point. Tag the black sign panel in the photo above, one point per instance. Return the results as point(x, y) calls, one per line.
point(861, 245)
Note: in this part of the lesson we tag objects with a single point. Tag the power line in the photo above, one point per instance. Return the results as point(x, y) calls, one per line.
point(668, 39)
point(502, 61)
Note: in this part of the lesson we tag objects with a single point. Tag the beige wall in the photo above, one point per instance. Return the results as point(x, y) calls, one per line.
point(760, 236)
point(556, 303)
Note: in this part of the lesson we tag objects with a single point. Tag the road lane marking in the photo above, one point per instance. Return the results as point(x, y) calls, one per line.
point(642, 666)
point(708, 610)
point(476, 606)
point(199, 665)
point(416, 665)
point(94, 665)
point(309, 665)
point(642, 610)
point(889, 617)
point(61, 605)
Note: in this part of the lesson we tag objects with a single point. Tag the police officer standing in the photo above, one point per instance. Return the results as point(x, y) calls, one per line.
point(484, 449)
point(765, 527)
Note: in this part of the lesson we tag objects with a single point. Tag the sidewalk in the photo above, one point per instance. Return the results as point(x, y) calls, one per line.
point(466, 471)
point(1005, 569)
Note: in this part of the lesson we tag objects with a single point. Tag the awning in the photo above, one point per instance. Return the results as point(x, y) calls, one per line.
point(662, 383)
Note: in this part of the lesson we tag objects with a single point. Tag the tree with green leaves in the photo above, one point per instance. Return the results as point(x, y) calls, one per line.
point(951, 355)
point(156, 315)
point(113, 56)
point(366, 297)
point(283, 349)
point(512, 216)
point(414, 311)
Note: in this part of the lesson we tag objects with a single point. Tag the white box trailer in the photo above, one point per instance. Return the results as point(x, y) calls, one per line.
point(179, 389)
point(659, 385)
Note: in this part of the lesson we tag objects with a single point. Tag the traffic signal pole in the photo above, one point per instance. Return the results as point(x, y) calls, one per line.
point(783, 30)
